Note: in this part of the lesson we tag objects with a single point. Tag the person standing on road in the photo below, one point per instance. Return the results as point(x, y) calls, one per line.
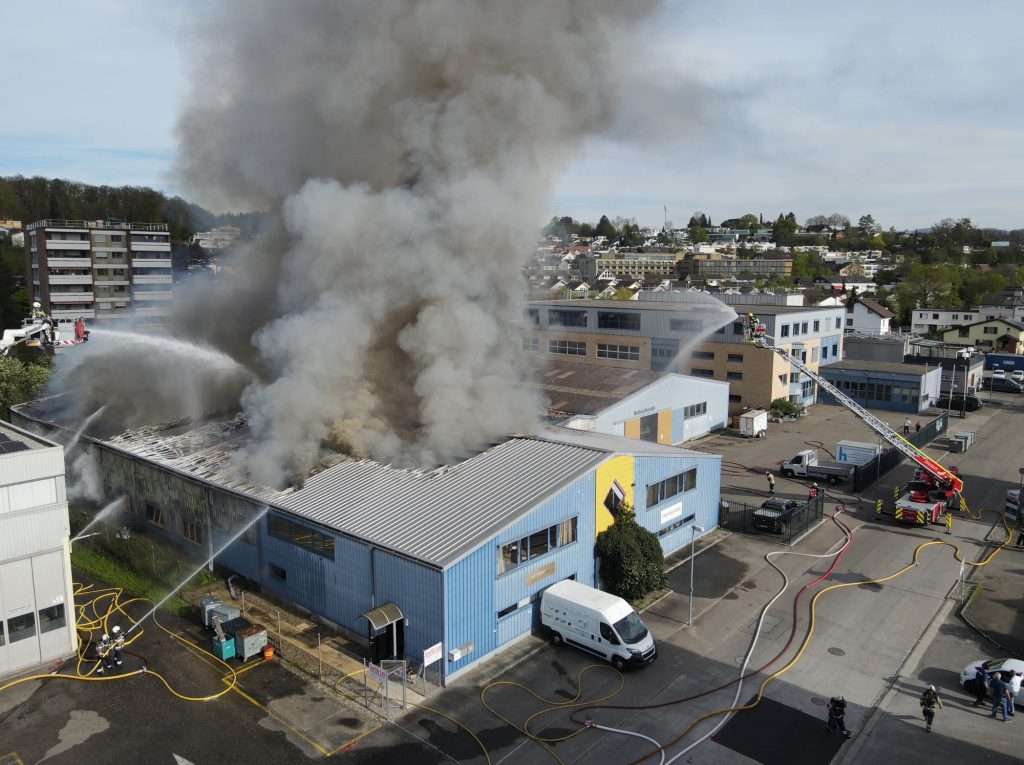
point(104, 650)
point(929, 699)
point(1014, 692)
point(906, 426)
point(917, 426)
point(117, 643)
point(771, 481)
point(812, 493)
point(981, 679)
point(836, 715)
point(1000, 695)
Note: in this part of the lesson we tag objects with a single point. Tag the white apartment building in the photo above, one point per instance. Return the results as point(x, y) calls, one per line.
point(100, 270)
point(925, 321)
point(37, 613)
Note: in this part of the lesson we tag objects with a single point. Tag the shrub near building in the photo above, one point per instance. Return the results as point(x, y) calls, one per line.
point(632, 563)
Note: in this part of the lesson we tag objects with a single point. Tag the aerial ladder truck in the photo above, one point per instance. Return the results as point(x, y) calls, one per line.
point(41, 330)
point(755, 332)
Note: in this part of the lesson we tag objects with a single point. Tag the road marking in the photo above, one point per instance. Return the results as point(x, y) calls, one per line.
point(13, 759)
point(353, 742)
point(181, 760)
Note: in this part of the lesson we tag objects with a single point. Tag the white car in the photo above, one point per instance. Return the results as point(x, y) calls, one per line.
point(992, 665)
point(999, 373)
point(1018, 375)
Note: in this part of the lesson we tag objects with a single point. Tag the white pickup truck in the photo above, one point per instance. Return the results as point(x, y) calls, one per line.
point(805, 464)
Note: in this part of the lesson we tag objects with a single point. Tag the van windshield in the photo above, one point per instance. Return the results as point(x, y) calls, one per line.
point(631, 629)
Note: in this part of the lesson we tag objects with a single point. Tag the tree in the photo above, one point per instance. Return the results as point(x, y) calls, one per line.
point(22, 381)
point(622, 293)
point(606, 229)
point(698, 234)
point(867, 227)
point(632, 562)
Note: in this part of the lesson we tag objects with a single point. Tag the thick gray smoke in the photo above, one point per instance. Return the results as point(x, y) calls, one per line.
point(406, 149)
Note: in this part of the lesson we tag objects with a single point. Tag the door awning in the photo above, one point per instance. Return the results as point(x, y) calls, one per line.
point(381, 617)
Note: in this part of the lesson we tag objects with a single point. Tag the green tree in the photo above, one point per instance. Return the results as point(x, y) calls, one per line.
point(632, 561)
point(21, 380)
point(606, 229)
point(866, 226)
point(699, 234)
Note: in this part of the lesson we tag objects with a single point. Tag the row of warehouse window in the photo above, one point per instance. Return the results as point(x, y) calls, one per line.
point(670, 487)
point(563, 317)
point(736, 358)
point(303, 536)
point(866, 391)
point(537, 544)
point(23, 626)
point(578, 348)
point(695, 410)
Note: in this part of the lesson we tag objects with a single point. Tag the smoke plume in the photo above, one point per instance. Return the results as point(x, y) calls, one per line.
point(405, 149)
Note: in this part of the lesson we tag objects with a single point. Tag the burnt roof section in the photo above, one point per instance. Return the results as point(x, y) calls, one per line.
point(574, 388)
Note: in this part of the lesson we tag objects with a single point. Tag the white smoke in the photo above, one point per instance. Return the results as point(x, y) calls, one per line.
point(405, 150)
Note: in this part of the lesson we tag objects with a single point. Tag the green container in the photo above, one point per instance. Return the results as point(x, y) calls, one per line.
point(225, 650)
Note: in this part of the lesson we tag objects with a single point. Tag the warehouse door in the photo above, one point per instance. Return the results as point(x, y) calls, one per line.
point(19, 613)
point(387, 632)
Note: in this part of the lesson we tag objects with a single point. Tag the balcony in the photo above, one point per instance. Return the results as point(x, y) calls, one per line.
point(71, 279)
point(138, 262)
point(110, 264)
point(153, 295)
point(164, 246)
point(71, 297)
point(85, 313)
point(79, 262)
point(140, 279)
point(67, 244)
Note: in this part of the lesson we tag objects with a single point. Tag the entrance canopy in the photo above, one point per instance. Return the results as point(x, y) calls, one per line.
point(379, 618)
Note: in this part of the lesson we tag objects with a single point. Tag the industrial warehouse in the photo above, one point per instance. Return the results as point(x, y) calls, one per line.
point(403, 560)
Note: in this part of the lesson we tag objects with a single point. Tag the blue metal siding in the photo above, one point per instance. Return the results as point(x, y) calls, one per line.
point(417, 590)
point(474, 593)
point(914, 382)
point(701, 502)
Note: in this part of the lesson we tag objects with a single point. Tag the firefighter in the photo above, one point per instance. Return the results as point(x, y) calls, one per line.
point(836, 714)
point(928, 701)
point(104, 650)
point(117, 638)
point(812, 493)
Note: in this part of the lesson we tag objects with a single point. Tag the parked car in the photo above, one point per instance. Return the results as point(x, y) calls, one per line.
point(1002, 385)
point(774, 515)
point(973, 402)
point(1017, 375)
point(992, 665)
point(999, 373)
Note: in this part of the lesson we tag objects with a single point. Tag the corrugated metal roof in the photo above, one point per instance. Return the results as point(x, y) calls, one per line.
point(440, 516)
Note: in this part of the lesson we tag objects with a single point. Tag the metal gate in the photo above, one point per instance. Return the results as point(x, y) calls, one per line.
point(782, 529)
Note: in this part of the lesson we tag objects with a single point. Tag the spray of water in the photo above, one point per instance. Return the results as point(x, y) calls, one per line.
point(234, 538)
point(106, 511)
point(73, 443)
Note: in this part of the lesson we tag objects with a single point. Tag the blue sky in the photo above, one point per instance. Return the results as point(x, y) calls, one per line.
point(910, 111)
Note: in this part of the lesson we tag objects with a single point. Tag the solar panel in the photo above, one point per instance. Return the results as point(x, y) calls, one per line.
point(7, 447)
point(5, 437)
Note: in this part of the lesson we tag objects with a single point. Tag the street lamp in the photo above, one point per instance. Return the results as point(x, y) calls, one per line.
point(693, 538)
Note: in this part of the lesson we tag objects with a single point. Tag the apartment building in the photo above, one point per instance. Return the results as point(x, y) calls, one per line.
point(926, 321)
point(718, 265)
point(637, 265)
point(100, 270)
point(700, 339)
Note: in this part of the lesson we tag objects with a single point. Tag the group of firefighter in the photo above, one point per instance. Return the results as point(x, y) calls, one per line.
point(110, 650)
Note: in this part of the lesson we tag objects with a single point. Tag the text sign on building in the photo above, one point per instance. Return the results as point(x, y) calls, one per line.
point(673, 511)
point(378, 672)
point(432, 654)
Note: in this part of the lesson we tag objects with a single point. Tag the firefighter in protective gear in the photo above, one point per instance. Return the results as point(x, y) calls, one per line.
point(118, 644)
point(836, 715)
point(104, 650)
point(929, 699)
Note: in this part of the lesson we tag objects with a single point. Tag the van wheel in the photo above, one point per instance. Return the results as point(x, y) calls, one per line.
point(787, 473)
point(619, 663)
point(833, 480)
point(556, 639)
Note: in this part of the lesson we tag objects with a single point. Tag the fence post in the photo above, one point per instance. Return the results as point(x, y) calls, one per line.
point(320, 658)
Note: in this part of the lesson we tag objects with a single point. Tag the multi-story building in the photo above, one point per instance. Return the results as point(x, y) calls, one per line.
point(718, 265)
point(37, 616)
point(999, 335)
point(701, 339)
point(100, 270)
point(926, 321)
point(637, 265)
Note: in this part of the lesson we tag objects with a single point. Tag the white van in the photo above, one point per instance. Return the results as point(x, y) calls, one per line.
point(598, 622)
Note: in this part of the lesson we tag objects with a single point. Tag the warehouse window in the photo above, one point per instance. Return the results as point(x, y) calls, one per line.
point(817, 325)
point(565, 318)
point(672, 527)
point(736, 357)
point(154, 514)
point(735, 398)
point(620, 352)
point(533, 316)
point(538, 543)
point(301, 536)
point(192, 531)
point(707, 355)
point(21, 627)
point(530, 344)
point(685, 325)
point(695, 410)
point(52, 618)
point(278, 573)
point(618, 320)
point(784, 330)
point(733, 375)
point(698, 372)
point(839, 323)
point(670, 487)
point(567, 347)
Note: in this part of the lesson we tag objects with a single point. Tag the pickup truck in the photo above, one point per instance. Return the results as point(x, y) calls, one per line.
point(805, 464)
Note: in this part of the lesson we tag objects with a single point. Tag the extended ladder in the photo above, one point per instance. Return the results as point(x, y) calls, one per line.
point(881, 428)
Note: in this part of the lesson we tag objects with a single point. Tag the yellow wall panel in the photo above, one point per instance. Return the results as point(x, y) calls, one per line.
point(618, 469)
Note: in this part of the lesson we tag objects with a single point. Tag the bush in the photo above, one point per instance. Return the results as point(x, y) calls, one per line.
point(632, 562)
point(783, 407)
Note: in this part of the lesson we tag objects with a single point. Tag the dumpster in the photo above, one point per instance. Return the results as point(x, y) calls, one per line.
point(250, 641)
point(223, 649)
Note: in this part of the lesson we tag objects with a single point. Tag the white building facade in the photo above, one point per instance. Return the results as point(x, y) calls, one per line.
point(37, 615)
